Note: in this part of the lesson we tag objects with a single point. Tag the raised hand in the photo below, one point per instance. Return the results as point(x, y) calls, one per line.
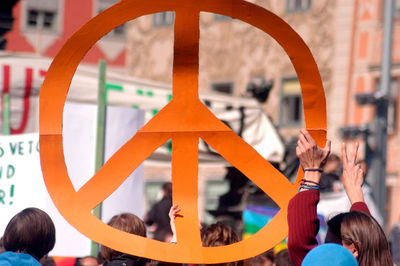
point(309, 153)
point(173, 213)
point(353, 175)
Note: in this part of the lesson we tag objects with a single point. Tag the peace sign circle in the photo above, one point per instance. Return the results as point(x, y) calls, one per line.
point(185, 119)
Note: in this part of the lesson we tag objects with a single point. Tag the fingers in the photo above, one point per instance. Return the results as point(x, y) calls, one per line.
point(302, 142)
point(349, 157)
point(298, 151)
point(327, 148)
point(174, 211)
point(353, 155)
point(307, 136)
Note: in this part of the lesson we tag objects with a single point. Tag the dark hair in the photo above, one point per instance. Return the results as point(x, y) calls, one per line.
point(47, 261)
point(126, 222)
point(31, 231)
point(219, 234)
point(333, 234)
point(167, 188)
point(283, 258)
point(263, 258)
point(364, 232)
point(1, 245)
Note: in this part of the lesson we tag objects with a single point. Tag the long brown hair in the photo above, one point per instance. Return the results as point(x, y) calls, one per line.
point(364, 232)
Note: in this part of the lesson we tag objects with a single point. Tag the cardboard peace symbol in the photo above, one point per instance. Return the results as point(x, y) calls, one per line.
point(185, 119)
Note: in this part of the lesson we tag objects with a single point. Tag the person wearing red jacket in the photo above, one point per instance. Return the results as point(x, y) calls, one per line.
point(302, 210)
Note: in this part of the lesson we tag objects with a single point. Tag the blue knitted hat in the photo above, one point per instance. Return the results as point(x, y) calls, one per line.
point(329, 255)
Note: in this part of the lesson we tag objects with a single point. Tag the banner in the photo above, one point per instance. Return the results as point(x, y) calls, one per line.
point(21, 183)
point(256, 217)
point(21, 180)
point(21, 75)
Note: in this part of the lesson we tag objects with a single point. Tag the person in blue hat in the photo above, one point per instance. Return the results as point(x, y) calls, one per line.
point(329, 255)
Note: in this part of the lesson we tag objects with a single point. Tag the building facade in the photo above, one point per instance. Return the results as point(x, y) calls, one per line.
point(42, 27)
point(363, 77)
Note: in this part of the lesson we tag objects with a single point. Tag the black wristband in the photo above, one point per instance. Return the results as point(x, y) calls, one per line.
point(304, 181)
point(314, 170)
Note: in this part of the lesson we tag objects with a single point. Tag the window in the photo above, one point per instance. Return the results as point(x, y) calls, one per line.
point(223, 87)
point(221, 17)
point(118, 32)
point(163, 19)
point(291, 107)
point(293, 6)
point(41, 14)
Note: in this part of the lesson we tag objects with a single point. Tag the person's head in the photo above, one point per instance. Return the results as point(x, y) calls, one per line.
point(48, 261)
point(283, 259)
point(218, 234)
point(329, 255)
point(365, 239)
point(167, 189)
point(30, 231)
point(86, 261)
point(332, 164)
point(126, 222)
point(264, 259)
point(333, 234)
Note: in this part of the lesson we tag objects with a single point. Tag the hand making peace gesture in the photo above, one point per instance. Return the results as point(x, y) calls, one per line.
point(352, 173)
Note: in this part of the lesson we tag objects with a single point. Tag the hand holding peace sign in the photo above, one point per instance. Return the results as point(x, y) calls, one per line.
point(308, 152)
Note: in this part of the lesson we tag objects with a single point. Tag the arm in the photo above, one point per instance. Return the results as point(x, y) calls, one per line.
point(353, 178)
point(303, 225)
point(173, 213)
point(302, 210)
point(361, 207)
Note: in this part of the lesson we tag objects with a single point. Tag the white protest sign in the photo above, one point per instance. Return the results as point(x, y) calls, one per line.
point(21, 179)
point(21, 182)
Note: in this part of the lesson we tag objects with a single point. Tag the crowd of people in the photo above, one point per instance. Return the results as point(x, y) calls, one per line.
point(353, 238)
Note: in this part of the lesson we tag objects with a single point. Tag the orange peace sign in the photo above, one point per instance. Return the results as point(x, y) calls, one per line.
point(184, 127)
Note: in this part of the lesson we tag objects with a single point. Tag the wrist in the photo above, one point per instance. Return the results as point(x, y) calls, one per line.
point(314, 176)
point(355, 195)
point(310, 181)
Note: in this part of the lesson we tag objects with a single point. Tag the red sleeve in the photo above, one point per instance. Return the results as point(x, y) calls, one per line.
point(303, 224)
point(361, 207)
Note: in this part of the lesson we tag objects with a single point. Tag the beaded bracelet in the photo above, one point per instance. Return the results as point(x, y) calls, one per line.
point(307, 188)
point(309, 181)
point(308, 185)
point(313, 170)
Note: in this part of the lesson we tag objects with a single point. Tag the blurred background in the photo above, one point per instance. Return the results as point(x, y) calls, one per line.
point(245, 79)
